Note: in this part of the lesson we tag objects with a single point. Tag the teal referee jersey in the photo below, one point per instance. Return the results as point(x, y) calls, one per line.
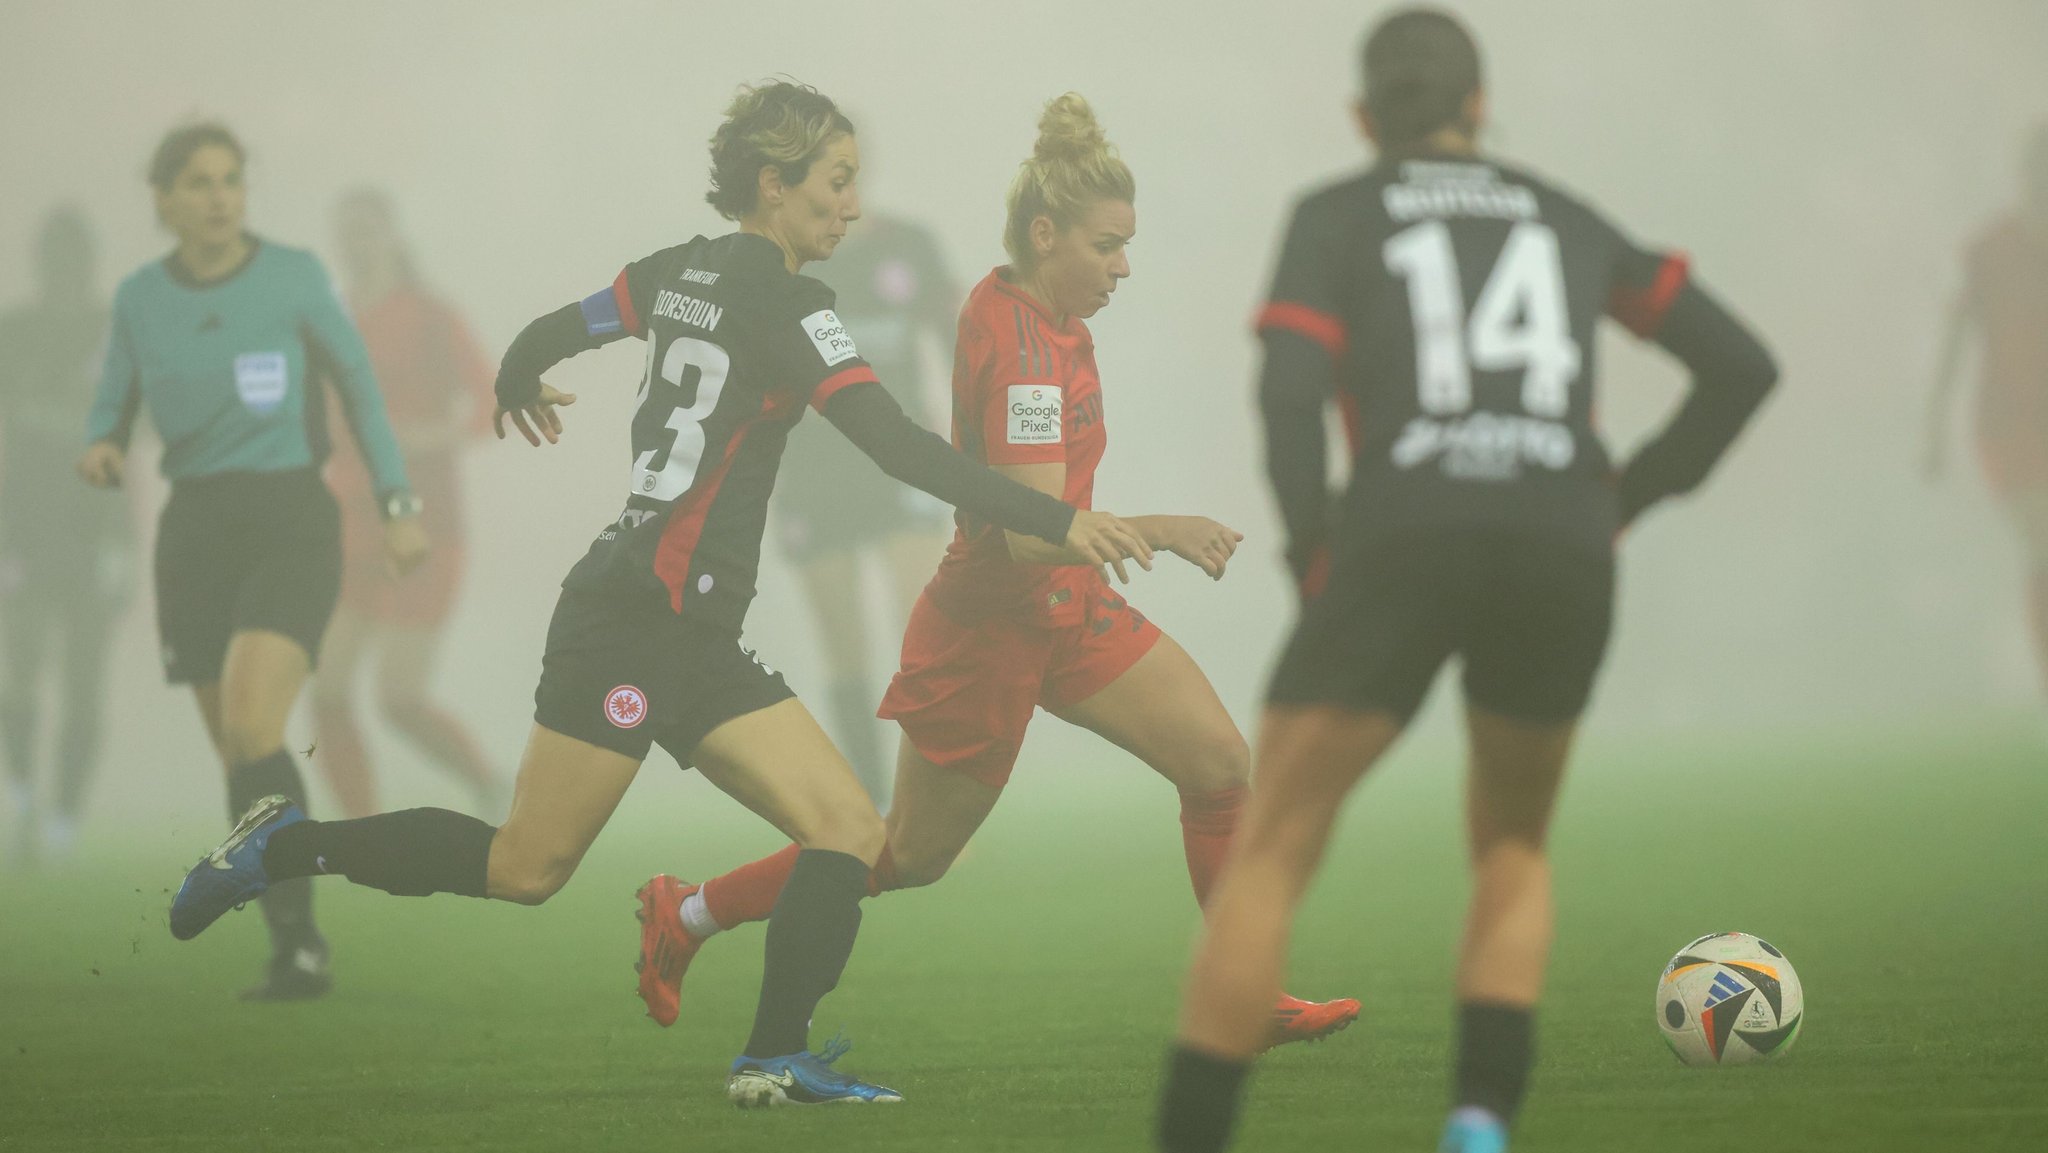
point(232, 371)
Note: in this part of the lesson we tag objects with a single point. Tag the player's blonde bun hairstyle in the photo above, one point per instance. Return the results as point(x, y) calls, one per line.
point(776, 123)
point(1072, 167)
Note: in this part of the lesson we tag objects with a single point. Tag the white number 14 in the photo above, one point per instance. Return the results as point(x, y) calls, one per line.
point(1518, 321)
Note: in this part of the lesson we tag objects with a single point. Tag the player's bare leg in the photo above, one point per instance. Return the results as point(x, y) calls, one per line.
point(566, 791)
point(1516, 768)
point(1164, 711)
point(338, 746)
point(1309, 758)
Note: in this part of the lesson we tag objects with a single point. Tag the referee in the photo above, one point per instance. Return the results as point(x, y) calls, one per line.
point(228, 340)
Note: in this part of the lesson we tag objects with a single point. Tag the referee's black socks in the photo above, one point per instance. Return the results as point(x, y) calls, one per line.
point(287, 908)
point(810, 936)
point(1198, 1110)
point(410, 853)
point(1496, 1049)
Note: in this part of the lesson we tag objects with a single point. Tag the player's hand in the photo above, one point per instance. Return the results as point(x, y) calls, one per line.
point(1102, 539)
point(103, 464)
point(1201, 542)
point(405, 544)
point(536, 421)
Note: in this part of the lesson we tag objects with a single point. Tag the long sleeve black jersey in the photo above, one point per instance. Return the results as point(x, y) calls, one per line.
point(1450, 305)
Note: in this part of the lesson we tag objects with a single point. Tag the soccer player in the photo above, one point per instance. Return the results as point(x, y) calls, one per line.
point(2004, 301)
point(1010, 625)
point(645, 643)
point(437, 387)
point(67, 559)
point(894, 290)
point(1449, 302)
point(227, 340)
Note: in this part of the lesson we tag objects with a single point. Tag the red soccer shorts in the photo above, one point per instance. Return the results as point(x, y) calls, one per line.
point(965, 693)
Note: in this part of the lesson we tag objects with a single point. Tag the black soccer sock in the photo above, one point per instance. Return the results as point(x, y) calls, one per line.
point(1198, 1108)
point(287, 907)
point(410, 853)
point(852, 704)
point(1496, 1049)
point(810, 936)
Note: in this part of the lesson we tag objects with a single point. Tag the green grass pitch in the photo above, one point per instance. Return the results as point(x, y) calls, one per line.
point(1025, 1001)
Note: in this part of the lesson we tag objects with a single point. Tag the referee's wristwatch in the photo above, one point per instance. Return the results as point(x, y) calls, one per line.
point(401, 504)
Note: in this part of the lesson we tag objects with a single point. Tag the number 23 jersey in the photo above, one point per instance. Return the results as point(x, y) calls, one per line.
point(1458, 300)
point(737, 346)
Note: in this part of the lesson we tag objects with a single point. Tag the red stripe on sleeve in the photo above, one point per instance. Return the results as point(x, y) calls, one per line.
point(622, 294)
point(1642, 310)
point(832, 385)
point(1317, 325)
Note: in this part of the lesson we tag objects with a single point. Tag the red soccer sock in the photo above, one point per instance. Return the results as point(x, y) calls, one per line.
point(1207, 821)
point(749, 892)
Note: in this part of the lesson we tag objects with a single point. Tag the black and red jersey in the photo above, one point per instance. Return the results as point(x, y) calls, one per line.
point(1458, 300)
point(737, 346)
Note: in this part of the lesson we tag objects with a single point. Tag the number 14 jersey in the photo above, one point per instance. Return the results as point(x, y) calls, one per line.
point(737, 346)
point(1458, 301)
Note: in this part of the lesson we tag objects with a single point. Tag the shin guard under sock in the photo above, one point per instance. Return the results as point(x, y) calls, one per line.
point(410, 853)
point(1496, 1049)
point(810, 936)
point(1207, 822)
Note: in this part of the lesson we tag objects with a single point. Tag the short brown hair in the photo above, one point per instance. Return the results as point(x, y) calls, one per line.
point(175, 150)
point(1419, 65)
point(778, 124)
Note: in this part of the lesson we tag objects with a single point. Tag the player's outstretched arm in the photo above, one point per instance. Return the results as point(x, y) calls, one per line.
point(877, 425)
point(540, 346)
point(1204, 543)
point(1732, 372)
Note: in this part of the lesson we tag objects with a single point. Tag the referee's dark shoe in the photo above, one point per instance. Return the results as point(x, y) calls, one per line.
point(299, 973)
point(231, 875)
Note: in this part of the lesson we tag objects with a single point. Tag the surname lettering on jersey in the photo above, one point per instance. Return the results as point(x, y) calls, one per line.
point(688, 309)
point(1435, 190)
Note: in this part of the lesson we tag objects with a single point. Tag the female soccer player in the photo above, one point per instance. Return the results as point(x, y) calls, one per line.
point(224, 340)
point(645, 644)
point(2005, 303)
point(1450, 303)
point(1010, 624)
point(67, 556)
point(437, 386)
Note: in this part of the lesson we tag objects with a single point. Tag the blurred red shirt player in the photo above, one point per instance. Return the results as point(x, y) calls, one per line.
point(437, 388)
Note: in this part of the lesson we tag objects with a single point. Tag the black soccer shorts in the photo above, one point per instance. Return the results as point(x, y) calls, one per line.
point(1528, 616)
point(244, 551)
point(624, 675)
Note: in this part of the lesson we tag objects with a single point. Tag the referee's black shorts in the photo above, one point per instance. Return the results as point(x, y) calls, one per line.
point(1527, 615)
point(244, 551)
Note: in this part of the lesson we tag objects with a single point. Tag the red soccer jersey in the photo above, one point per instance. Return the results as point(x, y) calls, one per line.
point(2008, 285)
point(1025, 391)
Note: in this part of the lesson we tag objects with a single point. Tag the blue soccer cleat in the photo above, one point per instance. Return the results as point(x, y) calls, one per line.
point(1474, 1130)
point(231, 875)
point(800, 1079)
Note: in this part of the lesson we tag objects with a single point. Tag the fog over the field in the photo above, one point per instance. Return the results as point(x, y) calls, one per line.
point(1823, 161)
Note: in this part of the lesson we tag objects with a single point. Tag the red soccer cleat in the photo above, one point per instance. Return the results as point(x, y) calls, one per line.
point(1297, 1020)
point(666, 948)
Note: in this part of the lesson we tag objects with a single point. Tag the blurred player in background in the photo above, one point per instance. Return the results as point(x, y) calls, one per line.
point(437, 388)
point(645, 645)
point(67, 557)
point(895, 292)
point(227, 341)
point(1448, 302)
point(1010, 625)
point(2004, 303)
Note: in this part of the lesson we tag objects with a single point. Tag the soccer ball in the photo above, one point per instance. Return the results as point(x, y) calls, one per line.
point(1729, 999)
